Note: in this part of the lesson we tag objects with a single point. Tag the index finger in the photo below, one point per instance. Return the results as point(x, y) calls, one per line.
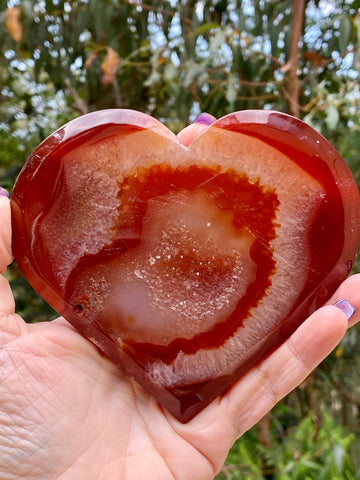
point(251, 397)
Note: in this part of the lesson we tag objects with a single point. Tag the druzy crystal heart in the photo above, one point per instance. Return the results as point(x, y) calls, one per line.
point(185, 265)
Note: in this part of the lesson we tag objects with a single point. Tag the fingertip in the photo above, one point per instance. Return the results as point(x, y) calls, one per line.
point(320, 334)
point(4, 193)
point(330, 319)
point(189, 133)
point(346, 307)
point(347, 297)
point(5, 233)
point(205, 118)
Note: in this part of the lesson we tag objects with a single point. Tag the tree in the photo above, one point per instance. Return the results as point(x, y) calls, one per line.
point(173, 59)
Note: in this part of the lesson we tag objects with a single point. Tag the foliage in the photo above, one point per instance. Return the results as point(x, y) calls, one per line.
point(174, 59)
point(307, 451)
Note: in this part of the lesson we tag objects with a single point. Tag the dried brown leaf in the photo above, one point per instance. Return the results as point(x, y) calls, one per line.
point(109, 66)
point(90, 59)
point(13, 23)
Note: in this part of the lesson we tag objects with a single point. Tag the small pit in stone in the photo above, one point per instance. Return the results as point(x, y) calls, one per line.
point(78, 309)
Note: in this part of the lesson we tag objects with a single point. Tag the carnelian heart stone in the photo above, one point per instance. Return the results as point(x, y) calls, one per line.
point(185, 265)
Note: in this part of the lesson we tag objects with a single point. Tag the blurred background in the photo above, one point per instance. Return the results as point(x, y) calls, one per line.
point(174, 59)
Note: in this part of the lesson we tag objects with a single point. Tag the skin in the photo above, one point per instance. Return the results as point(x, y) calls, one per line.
point(66, 412)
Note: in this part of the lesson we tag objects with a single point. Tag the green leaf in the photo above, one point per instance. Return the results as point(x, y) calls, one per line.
point(170, 72)
point(217, 41)
point(339, 454)
point(345, 30)
point(357, 25)
point(204, 29)
point(193, 71)
point(231, 90)
point(332, 117)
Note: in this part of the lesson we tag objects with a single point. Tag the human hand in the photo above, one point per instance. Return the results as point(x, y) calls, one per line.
point(67, 412)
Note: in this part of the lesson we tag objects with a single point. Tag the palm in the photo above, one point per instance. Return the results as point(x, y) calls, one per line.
point(74, 408)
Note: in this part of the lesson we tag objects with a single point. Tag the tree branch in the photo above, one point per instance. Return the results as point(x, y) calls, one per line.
point(79, 103)
point(293, 87)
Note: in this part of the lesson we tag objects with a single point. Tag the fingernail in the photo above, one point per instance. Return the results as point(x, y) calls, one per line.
point(346, 308)
point(205, 118)
point(4, 193)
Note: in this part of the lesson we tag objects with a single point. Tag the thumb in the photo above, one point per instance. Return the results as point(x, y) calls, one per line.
point(5, 231)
